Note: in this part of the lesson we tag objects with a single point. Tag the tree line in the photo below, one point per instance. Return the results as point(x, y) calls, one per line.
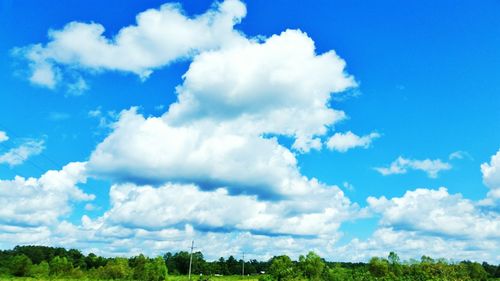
point(49, 262)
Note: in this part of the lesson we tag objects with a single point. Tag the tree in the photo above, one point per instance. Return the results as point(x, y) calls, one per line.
point(312, 266)
point(337, 273)
point(138, 265)
point(20, 265)
point(395, 264)
point(281, 268)
point(40, 270)
point(60, 265)
point(155, 270)
point(378, 267)
point(233, 266)
point(116, 268)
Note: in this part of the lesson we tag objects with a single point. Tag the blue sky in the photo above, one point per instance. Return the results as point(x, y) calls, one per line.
point(366, 146)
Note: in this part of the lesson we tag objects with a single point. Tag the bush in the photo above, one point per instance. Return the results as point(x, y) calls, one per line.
point(20, 265)
point(40, 270)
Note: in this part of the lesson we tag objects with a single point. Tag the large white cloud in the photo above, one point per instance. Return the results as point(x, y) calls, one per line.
point(159, 37)
point(429, 222)
point(437, 212)
point(281, 79)
point(41, 201)
point(209, 154)
point(318, 213)
point(491, 176)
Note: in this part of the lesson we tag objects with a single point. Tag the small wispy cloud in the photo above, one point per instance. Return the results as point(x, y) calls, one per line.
point(401, 166)
point(20, 154)
point(105, 118)
point(344, 141)
point(457, 155)
point(3, 136)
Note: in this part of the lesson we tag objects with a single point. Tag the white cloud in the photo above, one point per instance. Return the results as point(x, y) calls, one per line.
point(106, 119)
point(3, 136)
point(159, 37)
point(491, 176)
point(437, 212)
point(206, 153)
point(281, 79)
point(18, 155)
point(36, 202)
point(429, 222)
point(146, 207)
point(413, 245)
point(458, 155)
point(401, 166)
point(344, 141)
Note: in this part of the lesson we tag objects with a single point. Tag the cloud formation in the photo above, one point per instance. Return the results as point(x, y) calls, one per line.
point(401, 166)
point(436, 212)
point(212, 167)
point(3, 136)
point(37, 202)
point(18, 155)
point(159, 37)
point(491, 176)
point(344, 141)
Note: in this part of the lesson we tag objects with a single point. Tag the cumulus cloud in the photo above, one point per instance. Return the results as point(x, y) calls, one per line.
point(159, 37)
point(491, 176)
point(281, 79)
point(3, 136)
point(344, 141)
point(213, 135)
point(209, 154)
point(429, 222)
point(414, 244)
point(401, 166)
point(437, 212)
point(38, 202)
point(173, 205)
point(18, 155)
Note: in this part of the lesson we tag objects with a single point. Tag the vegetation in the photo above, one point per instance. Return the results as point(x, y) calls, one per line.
point(47, 263)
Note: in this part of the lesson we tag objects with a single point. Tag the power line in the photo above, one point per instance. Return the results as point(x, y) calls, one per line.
point(191, 259)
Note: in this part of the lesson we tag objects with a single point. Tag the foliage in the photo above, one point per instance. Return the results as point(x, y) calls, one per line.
point(46, 263)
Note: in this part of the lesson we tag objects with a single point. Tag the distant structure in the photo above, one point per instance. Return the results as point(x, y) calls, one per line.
point(191, 259)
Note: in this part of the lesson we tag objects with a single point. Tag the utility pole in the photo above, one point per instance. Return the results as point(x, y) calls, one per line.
point(243, 265)
point(191, 258)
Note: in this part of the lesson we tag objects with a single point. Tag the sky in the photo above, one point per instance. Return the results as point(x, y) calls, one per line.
point(266, 127)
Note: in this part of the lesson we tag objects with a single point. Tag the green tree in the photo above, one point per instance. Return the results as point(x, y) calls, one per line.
point(116, 268)
point(281, 268)
point(337, 273)
point(60, 266)
point(155, 270)
point(20, 265)
point(139, 266)
point(40, 270)
point(378, 267)
point(312, 266)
